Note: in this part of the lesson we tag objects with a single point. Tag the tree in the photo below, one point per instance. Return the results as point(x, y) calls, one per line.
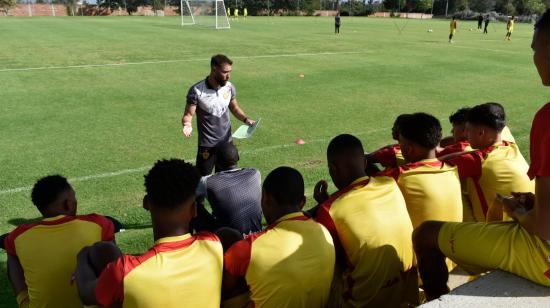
point(482, 6)
point(529, 7)
point(6, 5)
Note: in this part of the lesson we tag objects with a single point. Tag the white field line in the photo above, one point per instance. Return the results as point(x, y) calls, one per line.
point(144, 168)
point(178, 61)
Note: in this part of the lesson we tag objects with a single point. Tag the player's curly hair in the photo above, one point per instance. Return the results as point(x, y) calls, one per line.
point(489, 114)
point(422, 129)
point(171, 182)
point(459, 117)
point(47, 189)
point(397, 126)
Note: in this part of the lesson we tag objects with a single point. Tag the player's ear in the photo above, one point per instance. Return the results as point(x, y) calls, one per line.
point(146, 203)
point(193, 210)
point(303, 201)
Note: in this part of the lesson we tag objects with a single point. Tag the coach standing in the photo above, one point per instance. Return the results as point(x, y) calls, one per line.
point(211, 99)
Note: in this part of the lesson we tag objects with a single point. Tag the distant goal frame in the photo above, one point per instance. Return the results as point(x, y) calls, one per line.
point(188, 4)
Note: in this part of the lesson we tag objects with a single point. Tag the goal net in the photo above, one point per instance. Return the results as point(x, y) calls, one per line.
point(209, 13)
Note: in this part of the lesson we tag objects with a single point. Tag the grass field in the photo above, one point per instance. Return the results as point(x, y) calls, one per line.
point(103, 126)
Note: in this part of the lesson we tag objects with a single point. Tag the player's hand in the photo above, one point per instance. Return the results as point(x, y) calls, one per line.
point(320, 193)
point(510, 205)
point(187, 130)
point(249, 122)
point(525, 199)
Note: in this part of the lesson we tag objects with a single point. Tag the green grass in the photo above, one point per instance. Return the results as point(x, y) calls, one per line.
point(96, 120)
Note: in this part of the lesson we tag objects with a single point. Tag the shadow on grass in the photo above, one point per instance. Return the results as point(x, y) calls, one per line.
point(137, 226)
point(7, 299)
point(20, 221)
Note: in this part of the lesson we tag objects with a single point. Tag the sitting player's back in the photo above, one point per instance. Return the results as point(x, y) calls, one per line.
point(47, 252)
point(291, 263)
point(432, 191)
point(503, 170)
point(178, 271)
point(431, 188)
point(42, 255)
point(374, 228)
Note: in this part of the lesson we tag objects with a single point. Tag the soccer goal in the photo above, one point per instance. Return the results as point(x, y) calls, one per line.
point(209, 13)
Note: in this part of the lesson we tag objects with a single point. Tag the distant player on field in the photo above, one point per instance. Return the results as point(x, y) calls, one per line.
point(509, 28)
point(479, 21)
point(245, 13)
point(337, 23)
point(236, 13)
point(487, 20)
point(454, 25)
point(42, 255)
point(180, 270)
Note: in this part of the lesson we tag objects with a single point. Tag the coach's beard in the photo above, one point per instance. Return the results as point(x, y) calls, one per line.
point(221, 82)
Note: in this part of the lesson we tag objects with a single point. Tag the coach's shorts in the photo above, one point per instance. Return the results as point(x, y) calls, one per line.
point(479, 247)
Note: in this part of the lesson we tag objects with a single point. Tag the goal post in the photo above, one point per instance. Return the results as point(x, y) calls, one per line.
point(209, 13)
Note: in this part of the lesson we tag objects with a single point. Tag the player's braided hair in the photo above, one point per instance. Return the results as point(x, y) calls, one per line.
point(171, 182)
point(47, 189)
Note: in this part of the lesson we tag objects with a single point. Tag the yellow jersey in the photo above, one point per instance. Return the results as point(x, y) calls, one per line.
point(372, 231)
point(290, 264)
point(47, 252)
point(178, 271)
point(500, 168)
point(431, 189)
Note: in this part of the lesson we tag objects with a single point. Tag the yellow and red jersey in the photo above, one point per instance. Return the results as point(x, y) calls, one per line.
point(500, 168)
point(431, 190)
point(389, 156)
point(178, 271)
point(372, 231)
point(290, 264)
point(47, 252)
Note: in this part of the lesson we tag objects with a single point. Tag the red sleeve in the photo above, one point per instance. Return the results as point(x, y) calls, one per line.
point(237, 258)
point(9, 244)
point(540, 140)
point(107, 226)
point(453, 148)
point(386, 156)
point(9, 241)
point(324, 218)
point(469, 164)
point(109, 288)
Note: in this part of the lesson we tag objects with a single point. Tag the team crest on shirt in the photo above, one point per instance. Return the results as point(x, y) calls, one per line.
point(226, 95)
